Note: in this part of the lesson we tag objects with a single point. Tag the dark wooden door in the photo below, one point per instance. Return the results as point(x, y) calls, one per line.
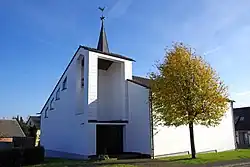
point(109, 139)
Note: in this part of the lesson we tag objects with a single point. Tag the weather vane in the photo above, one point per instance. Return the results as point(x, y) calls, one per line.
point(102, 9)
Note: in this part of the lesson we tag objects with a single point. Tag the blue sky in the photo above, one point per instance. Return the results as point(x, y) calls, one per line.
point(38, 38)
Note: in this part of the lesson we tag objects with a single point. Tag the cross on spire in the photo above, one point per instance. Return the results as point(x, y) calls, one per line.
point(102, 43)
point(102, 10)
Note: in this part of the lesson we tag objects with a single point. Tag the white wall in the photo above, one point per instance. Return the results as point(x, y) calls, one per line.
point(104, 99)
point(63, 130)
point(91, 85)
point(112, 92)
point(128, 69)
point(79, 89)
point(117, 91)
point(172, 140)
point(66, 130)
point(118, 73)
point(137, 131)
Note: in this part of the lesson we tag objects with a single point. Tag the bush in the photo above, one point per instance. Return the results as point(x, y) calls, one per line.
point(24, 142)
point(21, 156)
point(33, 155)
point(10, 157)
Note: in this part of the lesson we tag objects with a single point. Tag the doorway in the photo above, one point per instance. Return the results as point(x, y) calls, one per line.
point(109, 139)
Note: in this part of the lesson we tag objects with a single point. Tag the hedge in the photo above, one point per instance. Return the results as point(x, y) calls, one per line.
point(21, 156)
point(10, 157)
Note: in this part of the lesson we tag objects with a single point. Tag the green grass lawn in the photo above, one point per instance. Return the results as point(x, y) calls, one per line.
point(169, 161)
point(211, 157)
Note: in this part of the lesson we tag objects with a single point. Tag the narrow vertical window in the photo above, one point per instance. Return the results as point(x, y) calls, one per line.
point(58, 94)
point(46, 113)
point(64, 84)
point(82, 82)
point(52, 104)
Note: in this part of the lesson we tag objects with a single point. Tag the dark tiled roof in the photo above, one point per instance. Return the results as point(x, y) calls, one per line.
point(141, 81)
point(106, 53)
point(244, 123)
point(10, 128)
point(36, 120)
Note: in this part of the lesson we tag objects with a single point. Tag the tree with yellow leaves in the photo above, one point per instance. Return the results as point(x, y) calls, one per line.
point(186, 90)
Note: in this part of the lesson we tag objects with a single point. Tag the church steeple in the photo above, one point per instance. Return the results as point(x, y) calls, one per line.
point(102, 43)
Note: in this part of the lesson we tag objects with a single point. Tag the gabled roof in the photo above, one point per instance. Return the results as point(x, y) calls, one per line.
point(10, 128)
point(242, 118)
point(142, 81)
point(60, 79)
point(106, 53)
point(89, 49)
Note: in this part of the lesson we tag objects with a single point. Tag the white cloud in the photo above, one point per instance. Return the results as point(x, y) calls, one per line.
point(119, 8)
point(241, 104)
point(211, 51)
point(242, 99)
point(245, 93)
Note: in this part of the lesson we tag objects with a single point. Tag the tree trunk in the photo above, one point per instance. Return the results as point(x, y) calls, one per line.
point(191, 132)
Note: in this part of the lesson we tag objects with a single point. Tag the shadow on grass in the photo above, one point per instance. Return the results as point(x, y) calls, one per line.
point(140, 162)
point(91, 163)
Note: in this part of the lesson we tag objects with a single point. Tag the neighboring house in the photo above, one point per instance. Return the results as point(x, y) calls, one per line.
point(242, 126)
point(98, 107)
point(34, 123)
point(9, 130)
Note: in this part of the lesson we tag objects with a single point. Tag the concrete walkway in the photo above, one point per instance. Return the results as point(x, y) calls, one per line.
point(163, 163)
point(233, 163)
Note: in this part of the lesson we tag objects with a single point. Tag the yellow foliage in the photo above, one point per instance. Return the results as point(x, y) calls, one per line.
point(186, 89)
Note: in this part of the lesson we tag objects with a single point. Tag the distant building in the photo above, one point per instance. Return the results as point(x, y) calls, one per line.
point(242, 126)
point(34, 123)
point(9, 130)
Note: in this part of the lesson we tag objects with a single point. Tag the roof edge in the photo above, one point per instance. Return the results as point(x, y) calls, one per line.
point(60, 79)
point(138, 83)
point(105, 53)
point(230, 100)
point(19, 127)
point(241, 108)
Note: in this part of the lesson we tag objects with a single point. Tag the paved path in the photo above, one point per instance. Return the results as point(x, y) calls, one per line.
point(233, 163)
point(162, 163)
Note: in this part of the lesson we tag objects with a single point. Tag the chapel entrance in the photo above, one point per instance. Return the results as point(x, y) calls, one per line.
point(109, 139)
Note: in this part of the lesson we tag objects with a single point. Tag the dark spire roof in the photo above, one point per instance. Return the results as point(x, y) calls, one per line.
point(103, 43)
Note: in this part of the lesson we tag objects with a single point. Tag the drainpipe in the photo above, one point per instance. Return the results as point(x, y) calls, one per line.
point(234, 124)
point(151, 123)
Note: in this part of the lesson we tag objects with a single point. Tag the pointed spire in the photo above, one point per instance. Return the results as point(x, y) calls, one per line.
point(102, 43)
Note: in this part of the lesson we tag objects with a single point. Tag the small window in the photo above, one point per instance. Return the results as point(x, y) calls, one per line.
point(241, 118)
point(46, 113)
point(51, 104)
point(64, 84)
point(58, 94)
point(82, 82)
